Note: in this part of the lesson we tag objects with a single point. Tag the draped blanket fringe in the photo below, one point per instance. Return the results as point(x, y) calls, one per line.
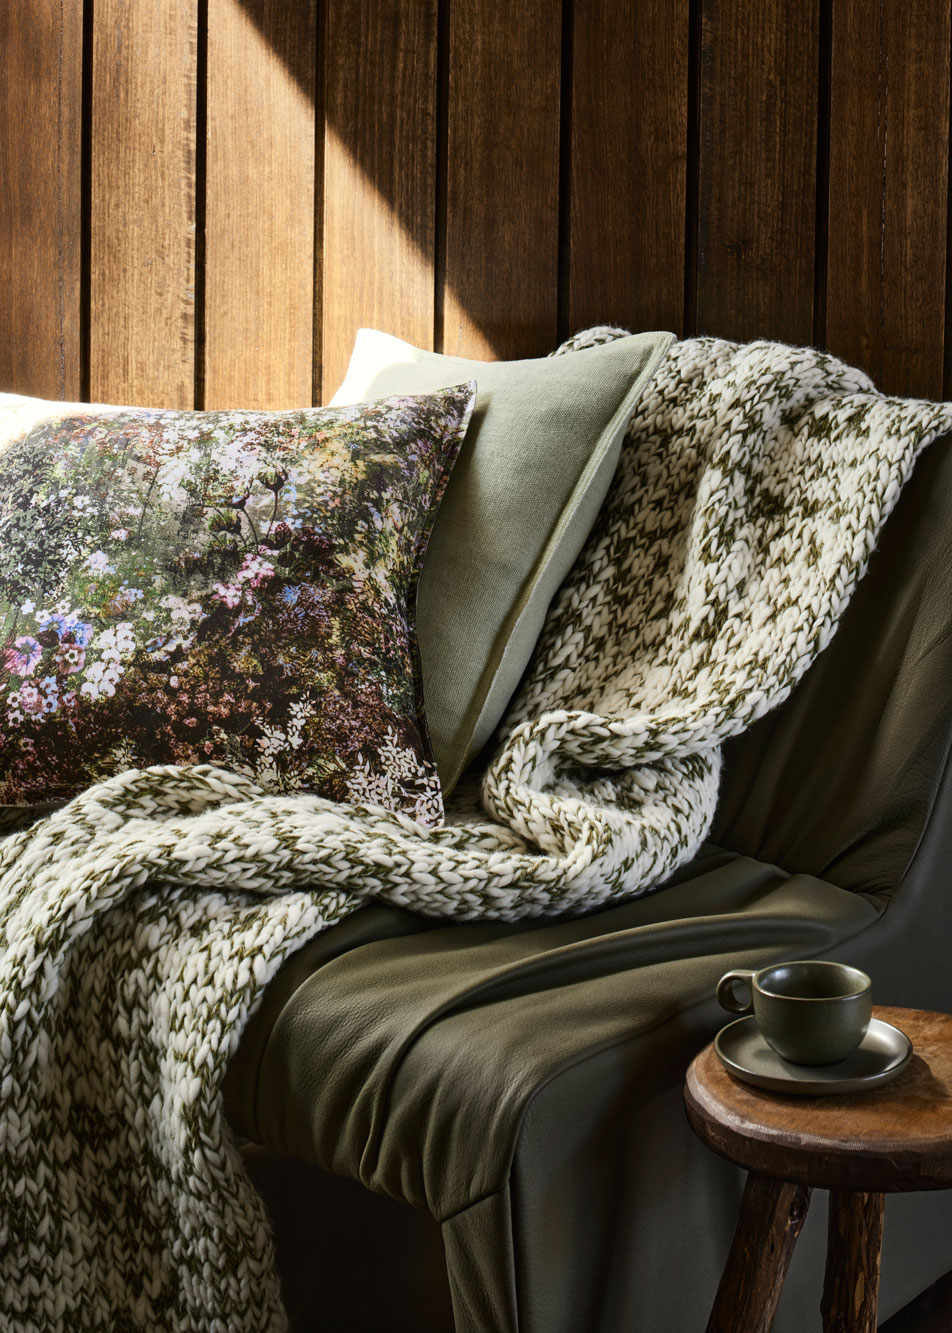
point(140, 924)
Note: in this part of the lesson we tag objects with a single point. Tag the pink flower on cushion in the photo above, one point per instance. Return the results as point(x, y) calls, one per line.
point(254, 570)
point(21, 659)
point(30, 699)
point(227, 593)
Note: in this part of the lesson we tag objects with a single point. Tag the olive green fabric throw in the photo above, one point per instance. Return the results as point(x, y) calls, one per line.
point(140, 924)
point(533, 471)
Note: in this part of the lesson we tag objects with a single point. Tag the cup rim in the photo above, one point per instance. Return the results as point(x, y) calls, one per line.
point(863, 987)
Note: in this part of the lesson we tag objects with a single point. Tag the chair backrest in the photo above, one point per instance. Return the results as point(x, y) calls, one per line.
point(844, 778)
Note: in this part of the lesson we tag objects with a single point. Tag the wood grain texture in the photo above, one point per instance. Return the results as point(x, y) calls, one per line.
point(142, 218)
point(772, 1213)
point(851, 1280)
point(379, 175)
point(502, 205)
point(889, 156)
point(259, 232)
point(628, 164)
point(757, 169)
point(40, 197)
point(893, 1138)
point(379, 191)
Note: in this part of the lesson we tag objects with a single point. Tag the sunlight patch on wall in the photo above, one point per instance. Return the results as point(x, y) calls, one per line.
point(376, 273)
point(259, 226)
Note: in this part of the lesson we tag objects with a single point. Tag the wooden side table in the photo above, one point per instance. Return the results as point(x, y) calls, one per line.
point(859, 1146)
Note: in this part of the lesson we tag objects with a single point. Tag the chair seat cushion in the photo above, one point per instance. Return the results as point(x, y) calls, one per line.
point(383, 1044)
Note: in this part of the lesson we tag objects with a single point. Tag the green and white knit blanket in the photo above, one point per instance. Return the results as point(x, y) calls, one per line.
point(140, 924)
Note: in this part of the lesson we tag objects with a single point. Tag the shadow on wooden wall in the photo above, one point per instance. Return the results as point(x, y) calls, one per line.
point(205, 198)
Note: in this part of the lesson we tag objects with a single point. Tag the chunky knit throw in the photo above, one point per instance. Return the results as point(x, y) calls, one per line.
point(140, 924)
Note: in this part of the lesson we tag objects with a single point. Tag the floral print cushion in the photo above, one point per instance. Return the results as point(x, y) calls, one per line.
point(234, 588)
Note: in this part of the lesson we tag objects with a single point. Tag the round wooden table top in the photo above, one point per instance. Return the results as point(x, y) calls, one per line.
point(894, 1137)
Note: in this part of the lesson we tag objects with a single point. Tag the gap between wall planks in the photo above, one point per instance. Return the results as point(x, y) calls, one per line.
point(480, 172)
point(40, 198)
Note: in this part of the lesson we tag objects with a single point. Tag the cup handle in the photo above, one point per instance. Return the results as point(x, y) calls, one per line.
point(725, 991)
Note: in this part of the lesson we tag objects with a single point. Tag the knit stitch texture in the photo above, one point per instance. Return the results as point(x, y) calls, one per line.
point(140, 924)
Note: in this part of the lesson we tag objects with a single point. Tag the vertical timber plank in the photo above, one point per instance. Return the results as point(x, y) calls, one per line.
point(628, 164)
point(502, 206)
point(379, 175)
point(40, 113)
point(142, 216)
point(259, 229)
point(889, 159)
point(757, 169)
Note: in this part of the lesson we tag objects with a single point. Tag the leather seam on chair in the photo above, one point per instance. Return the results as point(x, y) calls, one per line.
point(474, 1203)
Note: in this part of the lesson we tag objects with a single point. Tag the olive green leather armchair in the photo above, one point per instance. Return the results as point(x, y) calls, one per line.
point(479, 1127)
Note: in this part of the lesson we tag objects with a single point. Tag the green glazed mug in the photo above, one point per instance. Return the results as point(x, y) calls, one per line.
point(810, 1012)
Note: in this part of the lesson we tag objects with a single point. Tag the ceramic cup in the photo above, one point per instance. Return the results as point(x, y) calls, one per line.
point(811, 1013)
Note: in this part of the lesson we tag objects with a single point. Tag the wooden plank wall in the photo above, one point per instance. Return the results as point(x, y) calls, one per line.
point(142, 129)
point(40, 197)
point(202, 200)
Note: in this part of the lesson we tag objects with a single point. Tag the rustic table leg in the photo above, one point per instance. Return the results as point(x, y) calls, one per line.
point(771, 1215)
point(851, 1283)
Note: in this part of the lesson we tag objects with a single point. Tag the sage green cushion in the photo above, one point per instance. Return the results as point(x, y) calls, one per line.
point(536, 463)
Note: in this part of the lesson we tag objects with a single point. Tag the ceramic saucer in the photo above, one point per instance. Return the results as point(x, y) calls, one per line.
point(882, 1054)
